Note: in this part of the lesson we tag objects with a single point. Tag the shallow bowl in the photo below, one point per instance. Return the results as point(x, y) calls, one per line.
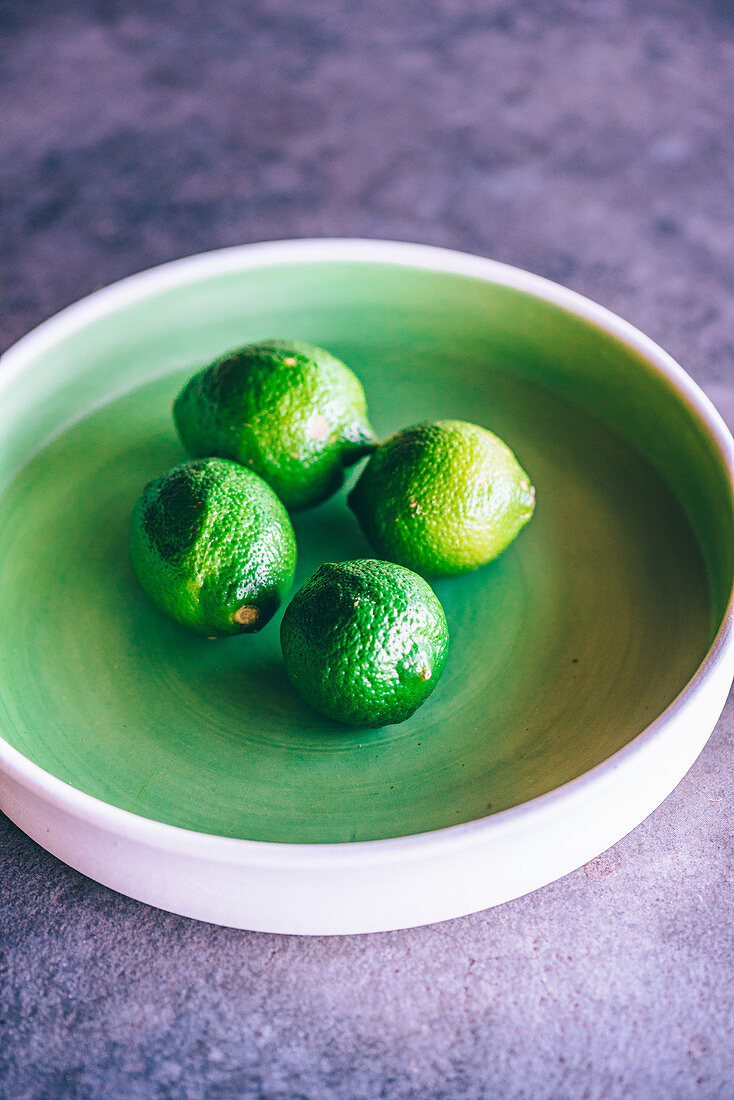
point(588, 664)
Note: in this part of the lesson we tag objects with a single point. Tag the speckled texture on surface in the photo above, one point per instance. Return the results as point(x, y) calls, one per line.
point(592, 142)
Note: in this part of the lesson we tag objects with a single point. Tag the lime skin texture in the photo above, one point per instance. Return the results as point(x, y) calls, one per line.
point(364, 642)
point(442, 498)
point(293, 413)
point(213, 547)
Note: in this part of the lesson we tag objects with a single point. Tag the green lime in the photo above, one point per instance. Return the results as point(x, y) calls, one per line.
point(213, 547)
point(293, 413)
point(364, 642)
point(442, 497)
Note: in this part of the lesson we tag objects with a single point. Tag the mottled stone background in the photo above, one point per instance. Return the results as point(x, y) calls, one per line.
point(592, 142)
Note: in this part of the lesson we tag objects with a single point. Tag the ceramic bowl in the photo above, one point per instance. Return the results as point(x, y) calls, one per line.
point(588, 664)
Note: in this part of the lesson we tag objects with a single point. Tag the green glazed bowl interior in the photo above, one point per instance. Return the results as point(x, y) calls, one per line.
point(562, 651)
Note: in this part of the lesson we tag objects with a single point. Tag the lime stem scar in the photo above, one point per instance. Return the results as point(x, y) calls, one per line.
point(247, 615)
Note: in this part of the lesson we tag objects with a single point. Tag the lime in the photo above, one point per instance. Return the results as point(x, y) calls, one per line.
point(364, 642)
point(442, 498)
point(293, 413)
point(213, 547)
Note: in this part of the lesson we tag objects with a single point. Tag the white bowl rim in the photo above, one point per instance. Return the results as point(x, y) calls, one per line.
point(293, 855)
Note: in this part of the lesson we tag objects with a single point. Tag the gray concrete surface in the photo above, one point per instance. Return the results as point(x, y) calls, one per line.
point(592, 142)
